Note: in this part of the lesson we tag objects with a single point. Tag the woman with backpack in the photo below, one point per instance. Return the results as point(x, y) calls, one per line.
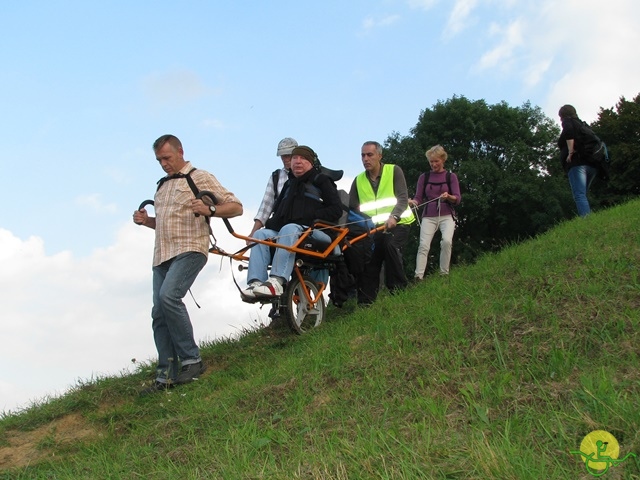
point(578, 144)
point(439, 190)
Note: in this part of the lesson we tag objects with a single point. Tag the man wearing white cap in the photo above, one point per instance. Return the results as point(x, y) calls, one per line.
point(275, 184)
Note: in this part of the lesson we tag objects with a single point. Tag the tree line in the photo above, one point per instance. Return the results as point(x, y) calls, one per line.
point(508, 164)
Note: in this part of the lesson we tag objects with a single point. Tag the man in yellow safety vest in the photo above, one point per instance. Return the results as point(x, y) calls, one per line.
point(381, 192)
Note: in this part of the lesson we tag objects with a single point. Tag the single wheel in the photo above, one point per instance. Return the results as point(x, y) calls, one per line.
point(301, 314)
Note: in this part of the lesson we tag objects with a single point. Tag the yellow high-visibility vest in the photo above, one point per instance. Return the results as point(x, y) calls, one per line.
point(379, 206)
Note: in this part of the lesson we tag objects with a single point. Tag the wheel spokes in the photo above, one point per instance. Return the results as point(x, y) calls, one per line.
point(302, 313)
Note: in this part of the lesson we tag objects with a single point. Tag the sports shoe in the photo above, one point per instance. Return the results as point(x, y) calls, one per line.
point(189, 373)
point(155, 388)
point(270, 288)
point(248, 292)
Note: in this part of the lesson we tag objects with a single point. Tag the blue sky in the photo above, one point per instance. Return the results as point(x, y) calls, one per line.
point(87, 87)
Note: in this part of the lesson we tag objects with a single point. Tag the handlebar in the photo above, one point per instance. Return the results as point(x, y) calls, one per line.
point(212, 197)
point(199, 196)
point(145, 203)
point(205, 193)
point(142, 205)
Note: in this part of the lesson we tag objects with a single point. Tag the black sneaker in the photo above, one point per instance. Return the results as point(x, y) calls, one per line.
point(155, 388)
point(189, 373)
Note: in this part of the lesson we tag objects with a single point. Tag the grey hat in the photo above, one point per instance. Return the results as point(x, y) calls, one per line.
point(286, 146)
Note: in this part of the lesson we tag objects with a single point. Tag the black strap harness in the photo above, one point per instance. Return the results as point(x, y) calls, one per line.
point(187, 176)
point(192, 186)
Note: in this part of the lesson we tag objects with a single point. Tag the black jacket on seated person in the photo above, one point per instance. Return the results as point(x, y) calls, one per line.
point(313, 196)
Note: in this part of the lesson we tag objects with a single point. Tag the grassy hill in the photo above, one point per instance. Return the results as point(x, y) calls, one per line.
point(498, 371)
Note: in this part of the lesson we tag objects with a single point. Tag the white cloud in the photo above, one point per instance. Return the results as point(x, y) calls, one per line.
point(66, 319)
point(345, 183)
point(422, 4)
point(584, 54)
point(176, 87)
point(601, 61)
point(536, 72)
point(369, 23)
point(459, 16)
point(94, 202)
point(213, 123)
point(118, 176)
point(502, 54)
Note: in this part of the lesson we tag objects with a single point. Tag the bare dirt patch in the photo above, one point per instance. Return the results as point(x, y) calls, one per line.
point(28, 448)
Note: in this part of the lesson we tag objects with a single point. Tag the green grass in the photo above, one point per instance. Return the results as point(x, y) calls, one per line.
point(497, 371)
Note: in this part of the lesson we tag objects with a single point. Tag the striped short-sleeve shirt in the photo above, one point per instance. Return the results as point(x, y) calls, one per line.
point(178, 230)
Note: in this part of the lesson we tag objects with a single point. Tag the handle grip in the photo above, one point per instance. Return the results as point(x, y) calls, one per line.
point(144, 204)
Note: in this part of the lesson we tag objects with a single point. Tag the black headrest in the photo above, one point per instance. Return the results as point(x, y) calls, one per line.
point(334, 175)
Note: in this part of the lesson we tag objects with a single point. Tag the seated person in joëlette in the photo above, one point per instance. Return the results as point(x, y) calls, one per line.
point(307, 196)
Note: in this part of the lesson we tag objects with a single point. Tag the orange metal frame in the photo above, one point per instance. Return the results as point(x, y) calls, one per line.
point(296, 248)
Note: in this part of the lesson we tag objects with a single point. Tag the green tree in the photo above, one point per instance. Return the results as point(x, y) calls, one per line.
point(620, 130)
point(507, 162)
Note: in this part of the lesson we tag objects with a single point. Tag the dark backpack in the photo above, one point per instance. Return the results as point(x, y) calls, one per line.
point(591, 149)
point(342, 283)
point(355, 256)
point(358, 254)
point(275, 176)
point(426, 181)
point(448, 182)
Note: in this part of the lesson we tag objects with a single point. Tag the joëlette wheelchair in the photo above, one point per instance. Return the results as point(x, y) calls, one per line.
point(302, 303)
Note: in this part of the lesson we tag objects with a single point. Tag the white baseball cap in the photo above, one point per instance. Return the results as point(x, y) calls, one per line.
point(286, 146)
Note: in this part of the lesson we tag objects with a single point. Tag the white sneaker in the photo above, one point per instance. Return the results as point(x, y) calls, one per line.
point(270, 288)
point(248, 292)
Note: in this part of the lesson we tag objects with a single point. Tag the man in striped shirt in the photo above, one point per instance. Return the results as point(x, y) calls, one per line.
point(181, 251)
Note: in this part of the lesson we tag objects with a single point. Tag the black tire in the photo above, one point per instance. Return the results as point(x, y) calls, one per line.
point(300, 315)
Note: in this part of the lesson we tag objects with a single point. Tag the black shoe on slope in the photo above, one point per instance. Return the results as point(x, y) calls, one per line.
point(155, 388)
point(189, 373)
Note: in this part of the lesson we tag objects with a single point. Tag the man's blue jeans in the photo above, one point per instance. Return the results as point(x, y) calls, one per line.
point(283, 261)
point(580, 178)
point(172, 329)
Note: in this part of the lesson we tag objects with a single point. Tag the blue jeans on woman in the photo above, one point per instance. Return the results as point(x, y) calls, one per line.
point(172, 329)
point(283, 261)
point(580, 178)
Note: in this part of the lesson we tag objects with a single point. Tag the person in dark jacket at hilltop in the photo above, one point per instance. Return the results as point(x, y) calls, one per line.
point(307, 196)
point(577, 164)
